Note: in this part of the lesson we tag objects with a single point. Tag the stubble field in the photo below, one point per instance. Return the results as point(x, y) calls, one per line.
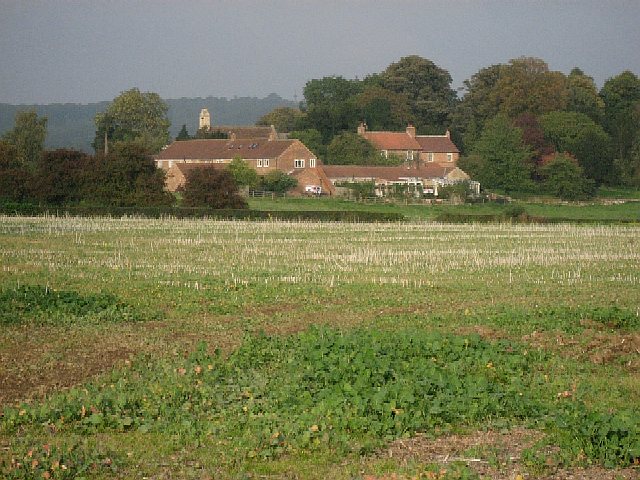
point(135, 348)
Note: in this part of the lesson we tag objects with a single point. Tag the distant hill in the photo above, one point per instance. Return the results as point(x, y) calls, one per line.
point(71, 125)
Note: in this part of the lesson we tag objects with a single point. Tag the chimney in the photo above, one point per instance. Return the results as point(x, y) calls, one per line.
point(447, 133)
point(362, 128)
point(411, 130)
point(273, 135)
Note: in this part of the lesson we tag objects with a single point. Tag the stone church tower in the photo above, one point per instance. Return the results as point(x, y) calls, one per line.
point(205, 119)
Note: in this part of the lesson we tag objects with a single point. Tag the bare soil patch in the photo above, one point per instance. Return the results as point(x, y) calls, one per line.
point(491, 454)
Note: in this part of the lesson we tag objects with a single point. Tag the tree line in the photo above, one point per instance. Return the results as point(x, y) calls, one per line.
point(519, 125)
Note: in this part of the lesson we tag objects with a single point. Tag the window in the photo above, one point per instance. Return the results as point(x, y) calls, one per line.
point(298, 163)
point(449, 157)
point(265, 162)
point(259, 163)
point(430, 157)
point(409, 154)
point(312, 162)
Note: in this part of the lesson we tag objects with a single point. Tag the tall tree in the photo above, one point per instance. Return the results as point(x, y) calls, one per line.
point(331, 105)
point(208, 187)
point(621, 95)
point(383, 109)
point(183, 134)
point(583, 138)
point(61, 177)
point(15, 178)
point(349, 148)
point(284, 119)
point(134, 116)
point(429, 88)
point(583, 96)
point(564, 178)
point(242, 173)
point(312, 140)
point(28, 137)
point(504, 159)
point(526, 84)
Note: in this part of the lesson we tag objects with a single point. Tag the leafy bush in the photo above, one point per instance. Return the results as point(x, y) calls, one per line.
point(76, 461)
point(207, 187)
point(277, 181)
point(42, 305)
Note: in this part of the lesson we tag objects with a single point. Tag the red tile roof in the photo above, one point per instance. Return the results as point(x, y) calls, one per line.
point(392, 140)
point(386, 173)
point(212, 149)
point(436, 144)
point(185, 168)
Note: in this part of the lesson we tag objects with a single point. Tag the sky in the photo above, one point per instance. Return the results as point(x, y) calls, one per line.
point(84, 51)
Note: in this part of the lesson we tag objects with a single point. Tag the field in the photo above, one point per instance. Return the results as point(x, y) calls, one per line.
point(135, 348)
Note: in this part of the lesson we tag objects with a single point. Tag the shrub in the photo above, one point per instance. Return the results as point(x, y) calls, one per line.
point(207, 187)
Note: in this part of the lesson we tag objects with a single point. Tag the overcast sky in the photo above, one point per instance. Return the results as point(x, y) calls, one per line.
point(87, 51)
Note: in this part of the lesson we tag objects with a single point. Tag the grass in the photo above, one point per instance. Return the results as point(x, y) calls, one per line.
point(302, 349)
point(629, 211)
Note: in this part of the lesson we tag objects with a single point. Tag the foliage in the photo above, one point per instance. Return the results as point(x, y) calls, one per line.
point(325, 388)
point(312, 139)
point(284, 119)
point(208, 187)
point(429, 88)
point(504, 160)
point(621, 95)
point(210, 133)
point(582, 137)
point(43, 305)
point(583, 96)
point(133, 116)
point(349, 148)
point(183, 134)
point(277, 181)
point(564, 178)
point(78, 460)
point(526, 85)
point(61, 177)
point(459, 191)
point(383, 109)
point(331, 105)
point(16, 179)
point(126, 177)
point(242, 173)
point(28, 136)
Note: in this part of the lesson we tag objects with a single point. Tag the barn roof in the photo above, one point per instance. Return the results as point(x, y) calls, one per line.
point(436, 144)
point(387, 173)
point(212, 149)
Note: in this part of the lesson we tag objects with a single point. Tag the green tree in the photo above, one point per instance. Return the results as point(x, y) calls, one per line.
point(477, 107)
point(209, 187)
point(527, 85)
point(503, 161)
point(564, 178)
point(183, 134)
point(349, 148)
point(284, 119)
point(312, 140)
point(209, 133)
point(61, 177)
point(583, 96)
point(15, 178)
point(126, 177)
point(583, 138)
point(133, 116)
point(621, 95)
point(28, 136)
point(429, 88)
point(383, 109)
point(331, 105)
point(242, 173)
point(277, 181)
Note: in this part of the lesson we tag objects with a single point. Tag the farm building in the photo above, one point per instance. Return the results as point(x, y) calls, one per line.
point(426, 178)
point(410, 147)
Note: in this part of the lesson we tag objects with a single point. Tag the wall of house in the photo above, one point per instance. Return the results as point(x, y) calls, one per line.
point(440, 157)
point(174, 179)
point(297, 151)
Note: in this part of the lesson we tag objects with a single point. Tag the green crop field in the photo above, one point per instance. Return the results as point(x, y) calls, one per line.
point(196, 349)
